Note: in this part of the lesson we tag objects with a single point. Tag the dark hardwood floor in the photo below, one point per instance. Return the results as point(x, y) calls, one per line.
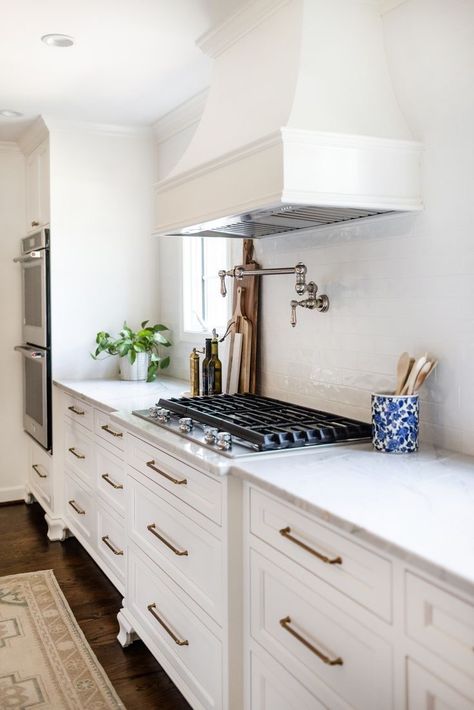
point(136, 676)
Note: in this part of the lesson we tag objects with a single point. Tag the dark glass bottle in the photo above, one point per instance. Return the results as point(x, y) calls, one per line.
point(214, 369)
point(205, 367)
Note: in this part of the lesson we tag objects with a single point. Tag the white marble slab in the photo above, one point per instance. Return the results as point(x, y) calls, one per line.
point(417, 507)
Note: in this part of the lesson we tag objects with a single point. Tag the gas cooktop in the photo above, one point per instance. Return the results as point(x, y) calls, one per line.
point(242, 424)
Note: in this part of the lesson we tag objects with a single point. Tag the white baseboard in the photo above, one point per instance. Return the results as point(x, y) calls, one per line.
point(13, 493)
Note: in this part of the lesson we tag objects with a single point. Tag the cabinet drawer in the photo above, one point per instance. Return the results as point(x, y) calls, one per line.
point(273, 688)
point(188, 553)
point(441, 622)
point(111, 479)
point(170, 628)
point(108, 430)
point(362, 575)
point(318, 643)
point(111, 541)
point(79, 507)
point(186, 483)
point(79, 451)
point(428, 692)
point(79, 411)
point(40, 473)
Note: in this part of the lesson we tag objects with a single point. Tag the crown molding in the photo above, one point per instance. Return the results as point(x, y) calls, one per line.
point(219, 38)
point(109, 129)
point(183, 116)
point(9, 147)
point(33, 136)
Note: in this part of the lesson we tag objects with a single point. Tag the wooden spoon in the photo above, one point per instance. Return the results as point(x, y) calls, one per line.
point(424, 373)
point(404, 365)
point(414, 372)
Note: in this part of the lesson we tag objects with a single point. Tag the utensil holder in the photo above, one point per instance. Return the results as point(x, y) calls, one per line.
point(395, 422)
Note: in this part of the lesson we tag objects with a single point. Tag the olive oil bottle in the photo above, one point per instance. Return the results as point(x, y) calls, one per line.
point(205, 367)
point(214, 368)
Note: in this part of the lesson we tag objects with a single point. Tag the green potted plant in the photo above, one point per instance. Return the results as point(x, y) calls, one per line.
point(139, 351)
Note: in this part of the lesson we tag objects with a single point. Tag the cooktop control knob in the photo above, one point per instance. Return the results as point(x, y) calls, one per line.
point(153, 412)
point(224, 440)
point(163, 415)
point(185, 425)
point(210, 434)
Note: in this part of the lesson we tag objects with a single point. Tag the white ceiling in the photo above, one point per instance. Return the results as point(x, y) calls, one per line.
point(133, 60)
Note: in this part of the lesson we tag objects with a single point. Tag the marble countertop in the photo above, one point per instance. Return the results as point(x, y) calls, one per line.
point(417, 507)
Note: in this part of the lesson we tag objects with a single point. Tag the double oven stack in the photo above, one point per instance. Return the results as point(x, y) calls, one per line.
point(36, 346)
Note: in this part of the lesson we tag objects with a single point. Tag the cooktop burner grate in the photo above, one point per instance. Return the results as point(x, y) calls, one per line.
point(268, 424)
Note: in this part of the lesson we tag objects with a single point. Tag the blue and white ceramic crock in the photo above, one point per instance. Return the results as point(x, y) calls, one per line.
point(395, 421)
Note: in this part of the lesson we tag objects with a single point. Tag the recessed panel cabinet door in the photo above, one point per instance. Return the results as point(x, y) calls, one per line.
point(427, 692)
point(37, 187)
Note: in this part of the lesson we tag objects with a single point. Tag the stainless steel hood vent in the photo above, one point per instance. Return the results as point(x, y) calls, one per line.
point(283, 220)
point(301, 126)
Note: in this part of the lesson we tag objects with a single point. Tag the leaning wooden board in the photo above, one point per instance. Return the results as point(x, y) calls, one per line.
point(250, 306)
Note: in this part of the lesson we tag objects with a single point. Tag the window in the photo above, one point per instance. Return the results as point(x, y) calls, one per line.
point(203, 306)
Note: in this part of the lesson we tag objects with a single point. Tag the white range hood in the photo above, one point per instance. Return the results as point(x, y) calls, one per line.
point(301, 127)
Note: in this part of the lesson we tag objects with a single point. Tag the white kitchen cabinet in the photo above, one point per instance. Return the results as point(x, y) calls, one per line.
point(301, 610)
point(37, 187)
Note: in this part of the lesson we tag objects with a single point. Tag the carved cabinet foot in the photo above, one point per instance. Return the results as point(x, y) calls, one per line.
point(57, 531)
point(126, 634)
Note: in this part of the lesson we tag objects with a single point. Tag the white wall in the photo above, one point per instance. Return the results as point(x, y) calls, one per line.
point(104, 260)
point(13, 454)
point(400, 283)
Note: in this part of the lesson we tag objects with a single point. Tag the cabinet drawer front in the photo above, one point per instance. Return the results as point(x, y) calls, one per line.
point(108, 430)
point(317, 642)
point(41, 473)
point(441, 622)
point(79, 411)
point(428, 692)
point(111, 541)
point(199, 491)
point(79, 451)
point(111, 479)
point(188, 553)
point(199, 661)
point(273, 688)
point(362, 575)
point(79, 507)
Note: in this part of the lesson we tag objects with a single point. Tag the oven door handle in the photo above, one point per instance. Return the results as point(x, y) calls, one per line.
point(32, 256)
point(31, 353)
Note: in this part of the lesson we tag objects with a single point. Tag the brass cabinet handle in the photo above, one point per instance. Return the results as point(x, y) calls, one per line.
point(74, 505)
point(112, 483)
point(286, 532)
point(35, 468)
point(180, 642)
point(72, 408)
point(35, 223)
point(285, 623)
point(111, 546)
point(74, 453)
point(179, 481)
point(152, 529)
point(110, 431)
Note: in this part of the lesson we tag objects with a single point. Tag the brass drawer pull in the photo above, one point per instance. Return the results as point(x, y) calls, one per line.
point(117, 486)
point(72, 408)
point(180, 642)
point(110, 431)
point(35, 223)
point(74, 505)
point(179, 481)
point(74, 453)
point(111, 546)
point(152, 529)
point(285, 623)
point(35, 468)
point(286, 532)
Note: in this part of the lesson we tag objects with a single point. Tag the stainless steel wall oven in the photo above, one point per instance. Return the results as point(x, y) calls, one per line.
point(36, 346)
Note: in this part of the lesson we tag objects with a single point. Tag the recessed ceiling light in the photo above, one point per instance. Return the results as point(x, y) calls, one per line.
point(57, 40)
point(8, 113)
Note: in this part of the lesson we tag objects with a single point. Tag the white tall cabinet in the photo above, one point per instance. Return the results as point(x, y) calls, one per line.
point(37, 186)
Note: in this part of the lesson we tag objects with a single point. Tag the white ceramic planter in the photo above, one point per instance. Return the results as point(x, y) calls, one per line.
point(137, 371)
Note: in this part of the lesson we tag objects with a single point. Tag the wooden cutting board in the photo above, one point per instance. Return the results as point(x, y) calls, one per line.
point(250, 308)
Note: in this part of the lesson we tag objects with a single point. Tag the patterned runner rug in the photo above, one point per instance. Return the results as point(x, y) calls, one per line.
point(45, 660)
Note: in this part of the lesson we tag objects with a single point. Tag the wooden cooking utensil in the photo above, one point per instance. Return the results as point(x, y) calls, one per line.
point(404, 365)
point(414, 372)
point(424, 373)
